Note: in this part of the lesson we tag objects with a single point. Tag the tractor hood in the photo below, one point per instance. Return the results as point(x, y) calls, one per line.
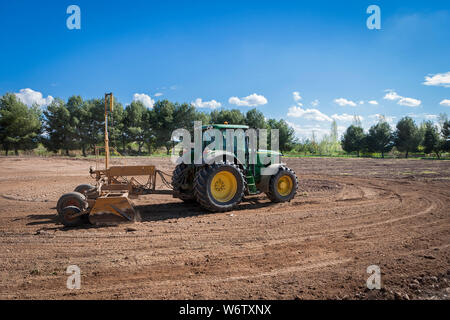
point(269, 152)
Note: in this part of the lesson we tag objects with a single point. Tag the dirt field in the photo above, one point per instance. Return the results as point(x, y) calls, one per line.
point(349, 214)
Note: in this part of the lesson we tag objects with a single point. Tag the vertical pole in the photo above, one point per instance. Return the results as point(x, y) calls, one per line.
point(106, 131)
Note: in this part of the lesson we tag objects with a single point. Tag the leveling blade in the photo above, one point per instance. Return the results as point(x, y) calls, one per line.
point(112, 210)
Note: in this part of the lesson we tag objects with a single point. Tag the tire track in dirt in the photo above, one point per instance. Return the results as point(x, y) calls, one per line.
point(319, 244)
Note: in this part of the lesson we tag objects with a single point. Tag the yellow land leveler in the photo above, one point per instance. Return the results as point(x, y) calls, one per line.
point(108, 202)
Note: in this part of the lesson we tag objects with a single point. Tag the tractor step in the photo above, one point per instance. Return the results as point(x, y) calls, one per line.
point(251, 185)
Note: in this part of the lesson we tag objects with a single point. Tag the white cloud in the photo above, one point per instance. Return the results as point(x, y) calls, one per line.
point(361, 102)
point(252, 100)
point(199, 103)
point(373, 102)
point(392, 95)
point(344, 102)
point(306, 131)
point(424, 116)
point(445, 102)
point(297, 96)
point(315, 103)
point(440, 79)
point(30, 97)
point(310, 114)
point(159, 94)
point(403, 101)
point(345, 117)
point(430, 116)
point(409, 102)
point(377, 117)
point(145, 99)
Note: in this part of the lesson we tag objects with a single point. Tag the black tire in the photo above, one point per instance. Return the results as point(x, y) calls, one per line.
point(70, 217)
point(183, 183)
point(273, 193)
point(202, 187)
point(72, 199)
point(82, 188)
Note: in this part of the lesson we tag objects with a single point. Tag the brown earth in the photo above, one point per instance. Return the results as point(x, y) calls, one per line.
point(348, 214)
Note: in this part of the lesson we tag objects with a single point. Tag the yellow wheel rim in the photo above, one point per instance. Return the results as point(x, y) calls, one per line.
point(285, 185)
point(223, 186)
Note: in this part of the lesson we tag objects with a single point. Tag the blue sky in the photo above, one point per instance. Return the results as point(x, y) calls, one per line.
point(236, 54)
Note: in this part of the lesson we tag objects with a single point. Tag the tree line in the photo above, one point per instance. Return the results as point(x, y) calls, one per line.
point(407, 137)
point(78, 124)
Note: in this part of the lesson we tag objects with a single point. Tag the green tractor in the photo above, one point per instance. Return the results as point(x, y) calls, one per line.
point(220, 186)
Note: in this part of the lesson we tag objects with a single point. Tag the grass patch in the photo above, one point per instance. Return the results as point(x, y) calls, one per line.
point(429, 172)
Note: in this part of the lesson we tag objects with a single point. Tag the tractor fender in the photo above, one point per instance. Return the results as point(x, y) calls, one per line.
point(266, 174)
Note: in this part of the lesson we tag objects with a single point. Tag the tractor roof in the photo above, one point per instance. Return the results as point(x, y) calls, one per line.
point(225, 126)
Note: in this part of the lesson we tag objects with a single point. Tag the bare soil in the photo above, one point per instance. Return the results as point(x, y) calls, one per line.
point(348, 214)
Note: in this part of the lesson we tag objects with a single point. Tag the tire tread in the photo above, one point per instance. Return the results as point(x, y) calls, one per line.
point(272, 194)
point(201, 187)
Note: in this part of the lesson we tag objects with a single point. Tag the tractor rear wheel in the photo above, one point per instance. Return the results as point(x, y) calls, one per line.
point(182, 183)
point(219, 187)
point(283, 185)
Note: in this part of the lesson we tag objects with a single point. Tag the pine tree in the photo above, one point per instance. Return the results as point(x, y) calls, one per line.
point(20, 125)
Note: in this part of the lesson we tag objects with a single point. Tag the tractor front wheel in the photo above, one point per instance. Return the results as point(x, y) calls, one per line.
point(283, 185)
point(219, 187)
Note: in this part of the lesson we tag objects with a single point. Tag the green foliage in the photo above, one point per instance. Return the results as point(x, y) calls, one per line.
point(163, 124)
point(233, 116)
point(285, 132)
point(255, 119)
point(59, 127)
point(117, 132)
point(20, 125)
point(334, 132)
point(135, 122)
point(445, 132)
point(205, 118)
point(353, 140)
point(329, 144)
point(407, 136)
point(431, 139)
point(167, 117)
point(91, 117)
point(380, 138)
